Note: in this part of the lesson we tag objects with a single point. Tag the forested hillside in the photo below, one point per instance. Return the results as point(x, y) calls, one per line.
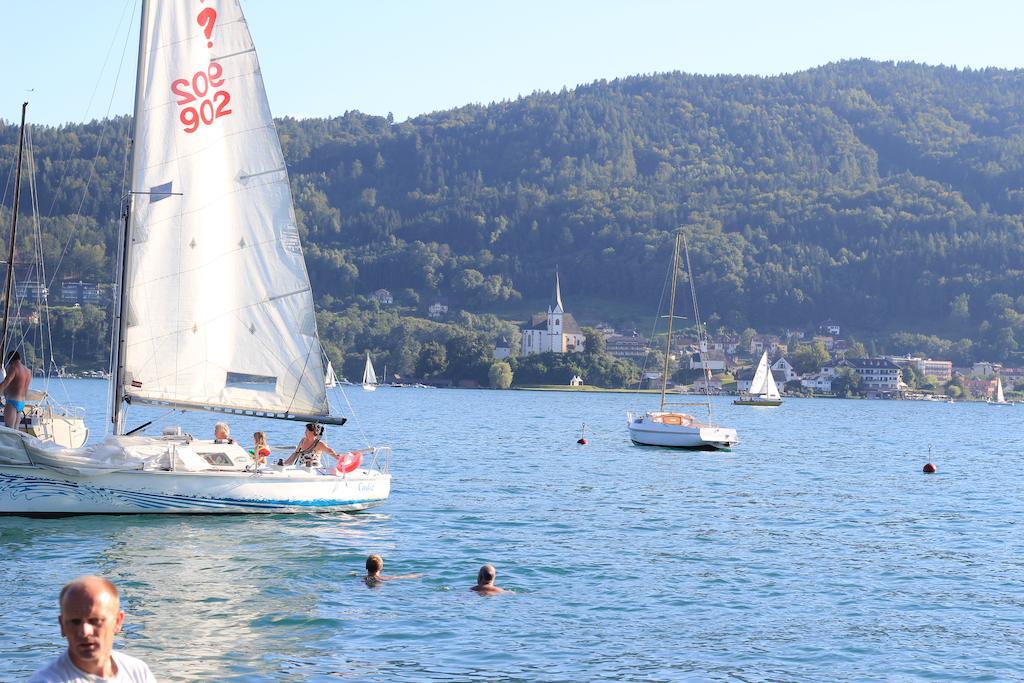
point(886, 196)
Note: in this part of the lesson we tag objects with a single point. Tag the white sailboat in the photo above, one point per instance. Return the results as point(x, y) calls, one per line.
point(330, 378)
point(763, 389)
point(1000, 400)
point(42, 417)
point(215, 311)
point(369, 376)
point(673, 428)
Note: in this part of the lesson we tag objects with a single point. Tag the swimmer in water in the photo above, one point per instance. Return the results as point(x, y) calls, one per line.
point(485, 581)
point(374, 567)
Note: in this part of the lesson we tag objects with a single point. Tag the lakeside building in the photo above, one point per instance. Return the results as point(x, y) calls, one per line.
point(941, 370)
point(81, 293)
point(765, 342)
point(627, 347)
point(782, 365)
point(556, 331)
point(30, 290)
point(713, 360)
point(383, 297)
point(829, 328)
point(877, 375)
point(819, 382)
point(981, 387)
point(502, 348)
point(986, 369)
point(437, 309)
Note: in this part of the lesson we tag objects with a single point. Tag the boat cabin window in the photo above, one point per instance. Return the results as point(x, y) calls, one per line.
point(218, 459)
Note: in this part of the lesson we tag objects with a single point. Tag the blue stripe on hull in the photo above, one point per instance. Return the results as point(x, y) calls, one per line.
point(15, 487)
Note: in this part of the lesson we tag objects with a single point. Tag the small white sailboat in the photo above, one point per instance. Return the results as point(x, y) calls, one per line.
point(369, 376)
point(42, 417)
point(671, 428)
point(330, 378)
point(214, 309)
point(763, 389)
point(1000, 400)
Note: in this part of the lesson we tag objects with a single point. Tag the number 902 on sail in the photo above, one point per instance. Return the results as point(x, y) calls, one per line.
point(209, 104)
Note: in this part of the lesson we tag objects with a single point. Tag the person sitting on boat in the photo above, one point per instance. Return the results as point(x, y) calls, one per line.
point(222, 433)
point(310, 447)
point(485, 581)
point(374, 567)
point(15, 388)
point(260, 449)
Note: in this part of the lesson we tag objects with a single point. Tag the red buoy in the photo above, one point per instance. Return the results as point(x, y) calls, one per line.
point(582, 441)
point(929, 468)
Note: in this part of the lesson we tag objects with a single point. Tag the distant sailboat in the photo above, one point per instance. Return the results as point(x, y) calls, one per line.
point(330, 379)
point(763, 389)
point(369, 376)
point(1000, 399)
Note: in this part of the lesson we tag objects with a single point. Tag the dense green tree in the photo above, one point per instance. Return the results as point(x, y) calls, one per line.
point(500, 375)
point(810, 357)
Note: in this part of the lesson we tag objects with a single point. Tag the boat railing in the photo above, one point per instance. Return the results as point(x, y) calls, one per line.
point(380, 458)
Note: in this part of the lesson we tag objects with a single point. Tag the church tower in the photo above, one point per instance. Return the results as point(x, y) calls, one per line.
point(556, 315)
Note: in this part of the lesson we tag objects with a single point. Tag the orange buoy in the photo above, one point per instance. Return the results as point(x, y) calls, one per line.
point(929, 468)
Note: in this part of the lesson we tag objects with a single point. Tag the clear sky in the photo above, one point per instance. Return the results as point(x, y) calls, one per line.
point(323, 57)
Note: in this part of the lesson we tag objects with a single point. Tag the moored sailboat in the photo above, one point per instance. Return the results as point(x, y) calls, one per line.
point(672, 428)
point(763, 389)
point(215, 310)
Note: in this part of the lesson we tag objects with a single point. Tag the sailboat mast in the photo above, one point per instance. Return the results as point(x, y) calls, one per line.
point(671, 315)
point(117, 400)
point(8, 291)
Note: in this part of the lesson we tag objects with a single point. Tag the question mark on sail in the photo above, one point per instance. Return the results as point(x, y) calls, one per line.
point(206, 19)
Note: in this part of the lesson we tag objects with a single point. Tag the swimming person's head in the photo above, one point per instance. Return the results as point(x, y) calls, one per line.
point(486, 575)
point(374, 564)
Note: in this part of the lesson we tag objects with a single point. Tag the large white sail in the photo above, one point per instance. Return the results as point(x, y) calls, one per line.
point(219, 311)
point(999, 391)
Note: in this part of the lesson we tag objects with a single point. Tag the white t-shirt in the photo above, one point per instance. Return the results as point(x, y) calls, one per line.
point(63, 670)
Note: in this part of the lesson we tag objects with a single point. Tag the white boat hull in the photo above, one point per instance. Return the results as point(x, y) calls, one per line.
point(645, 432)
point(369, 387)
point(31, 490)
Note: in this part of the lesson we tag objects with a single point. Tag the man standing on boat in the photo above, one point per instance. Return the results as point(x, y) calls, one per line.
point(15, 389)
point(90, 617)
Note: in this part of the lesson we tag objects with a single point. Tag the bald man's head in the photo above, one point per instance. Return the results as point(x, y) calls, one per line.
point(90, 616)
point(94, 586)
point(486, 575)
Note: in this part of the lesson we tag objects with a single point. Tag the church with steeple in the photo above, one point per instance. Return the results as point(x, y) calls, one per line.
point(555, 330)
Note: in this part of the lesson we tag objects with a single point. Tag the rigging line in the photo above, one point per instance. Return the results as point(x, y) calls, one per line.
point(95, 158)
point(95, 89)
point(355, 419)
point(702, 337)
point(654, 328)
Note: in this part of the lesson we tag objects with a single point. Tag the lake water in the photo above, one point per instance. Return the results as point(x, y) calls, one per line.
point(816, 550)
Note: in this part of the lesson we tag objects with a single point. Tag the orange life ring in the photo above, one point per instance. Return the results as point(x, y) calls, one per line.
point(348, 462)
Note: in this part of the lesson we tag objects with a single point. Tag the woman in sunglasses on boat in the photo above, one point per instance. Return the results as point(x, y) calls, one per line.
point(310, 447)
